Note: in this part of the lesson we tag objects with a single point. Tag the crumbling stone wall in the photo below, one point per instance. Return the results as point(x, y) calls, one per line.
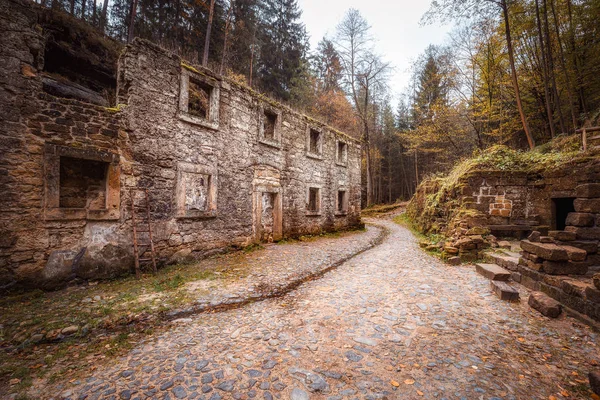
point(207, 177)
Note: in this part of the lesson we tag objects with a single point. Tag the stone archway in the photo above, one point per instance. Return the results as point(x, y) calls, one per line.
point(267, 213)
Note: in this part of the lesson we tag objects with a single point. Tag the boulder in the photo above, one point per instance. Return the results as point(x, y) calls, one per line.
point(544, 304)
point(106, 261)
point(60, 268)
point(182, 256)
point(547, 251)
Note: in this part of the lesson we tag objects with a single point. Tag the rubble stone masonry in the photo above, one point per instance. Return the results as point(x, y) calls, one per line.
point(224, 166)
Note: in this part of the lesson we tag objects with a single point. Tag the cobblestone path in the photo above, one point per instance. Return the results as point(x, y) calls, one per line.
point(390, 323)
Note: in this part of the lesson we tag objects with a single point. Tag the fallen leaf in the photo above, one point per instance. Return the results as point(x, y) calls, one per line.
point(394, 383)
point(409, 381)
point(595, 397)
point(420, 393)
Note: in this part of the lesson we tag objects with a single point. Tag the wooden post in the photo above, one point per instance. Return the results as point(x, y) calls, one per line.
point(584, 139)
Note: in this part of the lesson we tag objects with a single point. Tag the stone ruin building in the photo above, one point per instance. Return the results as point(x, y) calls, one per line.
point(223, 165)
point(562, 207)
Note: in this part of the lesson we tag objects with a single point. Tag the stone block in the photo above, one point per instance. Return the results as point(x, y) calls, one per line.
point(585, 233)
point(503, 244)
point(454, 260)
point(575, 254)
point(562, 236)
point(592, 294)
point(544, 304)
point(588, 190)
point(594, 378)
point(574, 288)
point(580, 219)
point(493, 272)
point(547, 251)
point(504, 291)
point(515, 276)
point(565, 267)
point(596, 280)
point(574, 302)
point(587, 205)
point(551, 291)
point(534, 236)
point(590, 246)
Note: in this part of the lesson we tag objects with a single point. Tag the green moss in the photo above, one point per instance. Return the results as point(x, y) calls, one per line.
point(116, 109)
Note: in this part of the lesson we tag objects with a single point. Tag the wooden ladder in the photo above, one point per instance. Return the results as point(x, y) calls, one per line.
point(143, 220)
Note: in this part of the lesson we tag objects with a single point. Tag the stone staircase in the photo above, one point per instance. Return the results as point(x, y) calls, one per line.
point(501, 267)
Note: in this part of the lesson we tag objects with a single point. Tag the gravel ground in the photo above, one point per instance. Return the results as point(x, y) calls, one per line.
point(392, 322)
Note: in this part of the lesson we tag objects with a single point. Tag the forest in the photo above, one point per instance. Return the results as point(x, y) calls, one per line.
point(512, 72)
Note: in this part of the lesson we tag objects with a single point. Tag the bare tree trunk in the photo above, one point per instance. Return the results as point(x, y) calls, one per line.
point(544, 70)
point(416, 168)
point(511, 57)
point(83, 7)
point(103, 16)
point(132, 21)
point(94, 13)
point(564, 68)
point(557, 101)
point(72, 7)
point(225, 43)
point(579, 80)
point(207, 38)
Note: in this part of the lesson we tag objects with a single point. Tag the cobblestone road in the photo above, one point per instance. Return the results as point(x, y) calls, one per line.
point(391, 323)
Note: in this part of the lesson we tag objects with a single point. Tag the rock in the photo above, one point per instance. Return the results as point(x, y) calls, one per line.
point(454, 260)
point(573, 287)
point(585, 233)
point(299, 394)
point(70, 330)
point(534, 236)
point(364, 340)
point(544, 304)
point(581, 219)
point(588, 190)
point(503, 244)
point(493, 272)
point(478, 230)
point(105, 261)
point(592, 294)
point(596, 280)
point(546, 239)
point(547, 251)
point(451, 250)
point(590, 246)
point(182, 256)
point(179, 392)
point(59, 268)
point(314, 382)
point(594, 377)
point(352, 356)
point(226, 386)
point(575, 254)
point(587, 205)
point(565, 268)
point(38, 337)
point(504, 291)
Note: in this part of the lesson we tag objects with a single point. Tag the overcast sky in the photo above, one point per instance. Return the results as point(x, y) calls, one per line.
point(394, 24)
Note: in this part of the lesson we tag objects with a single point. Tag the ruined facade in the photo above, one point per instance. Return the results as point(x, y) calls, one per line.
point(223, 165)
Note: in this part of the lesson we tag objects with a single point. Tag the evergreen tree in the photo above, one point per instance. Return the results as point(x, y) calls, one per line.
point(284, 44)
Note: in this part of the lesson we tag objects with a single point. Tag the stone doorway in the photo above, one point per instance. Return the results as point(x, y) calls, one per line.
point(267, 205)
point(561, 207)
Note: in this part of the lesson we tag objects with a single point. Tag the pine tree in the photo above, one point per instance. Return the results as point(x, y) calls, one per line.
point(283, 48)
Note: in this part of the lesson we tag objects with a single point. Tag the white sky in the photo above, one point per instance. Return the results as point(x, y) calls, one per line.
point(394, 25)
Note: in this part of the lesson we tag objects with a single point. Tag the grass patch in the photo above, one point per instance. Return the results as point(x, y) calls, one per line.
point(379, 209)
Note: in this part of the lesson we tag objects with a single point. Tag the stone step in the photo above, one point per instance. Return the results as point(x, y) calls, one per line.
point(493, 272)
point(544, 304)
point(504, 291)
point(511, 253)
point(505, 261)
